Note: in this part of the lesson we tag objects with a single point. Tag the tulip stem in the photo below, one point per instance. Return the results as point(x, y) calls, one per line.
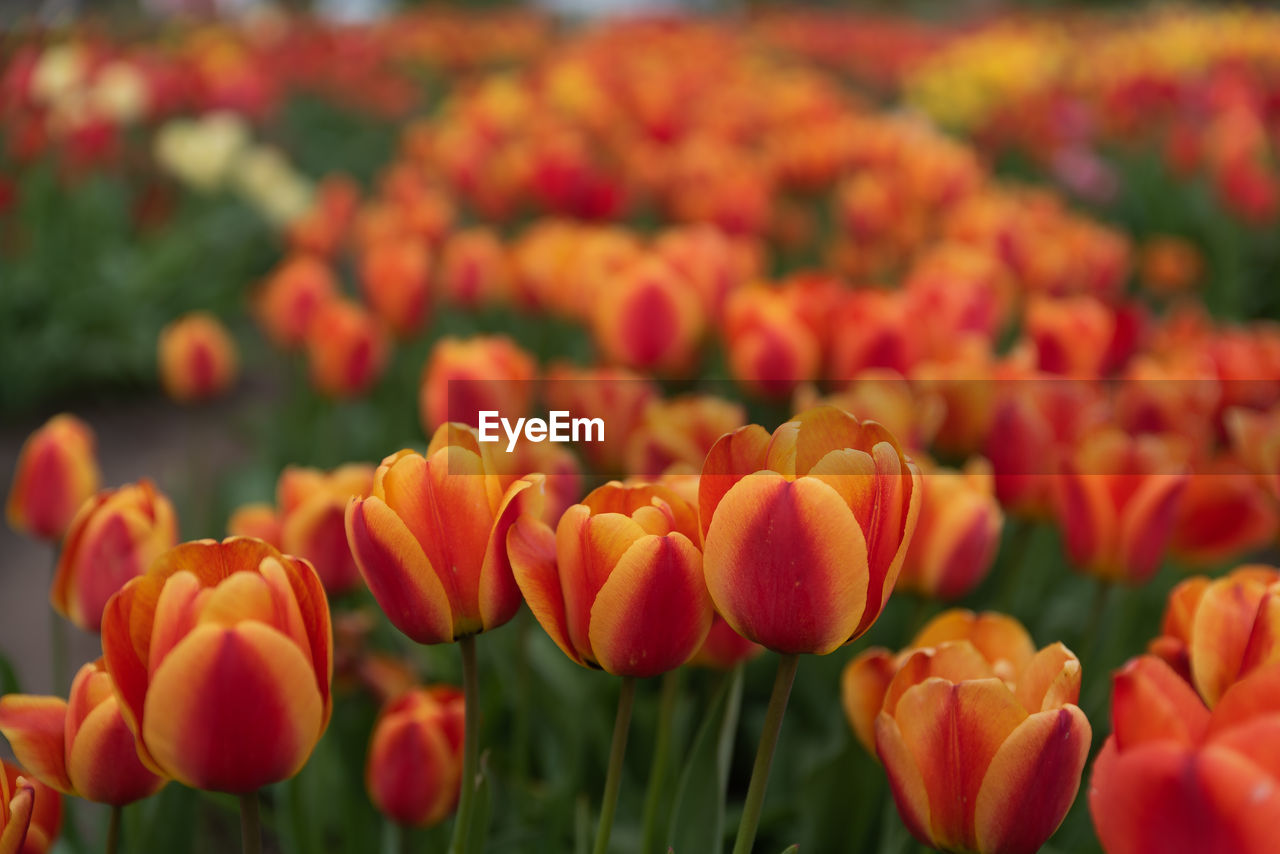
point(658, 771)
point(250, 824)
point(787, 665)
point(613, 780)
point(470, 747)
point(113, 830)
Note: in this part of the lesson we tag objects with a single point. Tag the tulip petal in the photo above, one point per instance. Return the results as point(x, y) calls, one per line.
point(1220, 633)
point(412, 774)
point(997, 636)
point(531, 545)
point(1050, 680)
point(905, 778)
point(786, 564)
point(588, 548)
point(1150, 702)
point(18, 806)
point(954, 661)
point(1147, 523)
point(233, 709)
point(653, 612)
point(863, 686)
point(36, 728)
point(1256, 694)
point(397, 572)
point(734, 456)
point(104, 763)
point(499, 593)
point(1032, 781)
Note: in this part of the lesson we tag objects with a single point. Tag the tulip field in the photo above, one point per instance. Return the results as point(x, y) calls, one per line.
point(772, 429)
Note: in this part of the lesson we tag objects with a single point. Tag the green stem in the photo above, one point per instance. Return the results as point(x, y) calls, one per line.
point(613, 781)
point(661, 755)
point(1019, 542)
point(250, 824)
point(787, 665)
point(470, 747)
point(113, 830)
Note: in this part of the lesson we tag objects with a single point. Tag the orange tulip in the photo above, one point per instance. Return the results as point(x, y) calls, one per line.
point(198, 358)
point(806, 531)
point(323, 228)
point(465, 376)
point(648, 318)
point(771, 348)
point(909, 411)
point(1071, 335)
point(1255, 438)
point(346, 349)
point(114, 538)
point(313, 506)
point(714, 262)
point(57, 471)
point(1217, 632)
point(290, 298)
point(623, 395)
point(41, 811)
point(258, 520)
point(873, 329)
point(1176, 778)
point(981, 756)
point(222, 657)
point(618, 584)
point(414, 770)
point(82, 747)
point(677, 433)
point(957, 535)
point(15, 812)
point(1116, 499)
point(430, 540)
point(395, 281)
point(1224, 514)
point(474, 269)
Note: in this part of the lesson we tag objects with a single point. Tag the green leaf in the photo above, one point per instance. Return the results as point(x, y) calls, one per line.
point(697, 824)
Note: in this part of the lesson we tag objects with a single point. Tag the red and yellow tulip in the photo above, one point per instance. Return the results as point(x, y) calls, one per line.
point(346, 348)
point(222, 658)
point(414, 769)
point(40, 811)
point(57, 471)
point(465, 376)
point(197, 357)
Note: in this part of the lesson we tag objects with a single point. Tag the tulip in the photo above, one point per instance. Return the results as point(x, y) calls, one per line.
point(222, 656)
point(1175, 777)
point(197, 358)
point(15, 813)
point(1170, 265)
point(906, 410)
point(322, 229)
point(57, 471)
point(1255, 439)
point(474, 269)
point(1224, 514)
point(770, 347)
point(40, 812)
point(957, 535)
point(346, 349)
point(114, 538)
point(624, 395)
point(648, 319)
point(1070, 335)
point(1116, 500)
point(807, 529)
point(676, 434)
point(313, 519)
point(724, 649)
point(258, 520)
point(714, 262)
point(82, 747)
point(465, 376)
point(289, 299)
point(875, 330)
point(804, 534)
point(395, 282)
point(979, 758)
point(414, 770)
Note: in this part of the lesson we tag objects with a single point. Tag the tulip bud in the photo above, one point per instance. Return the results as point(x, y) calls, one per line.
point(346, 349)
point(618, 585)
point(222, 657)
point(114, 538)
point(197, 358)
point(1224, 514)
point(41, 809)
point(957, 535)
point(312, 519)
point(466, 376)
point(290, 298)
point(430, 540)
point(648, 318)
point(395, 281)
point(806, 530)
point(414, 771)
point(474, 270)
point(770, 347)
point(82, 747)
point(57, 471)
point(979, 758)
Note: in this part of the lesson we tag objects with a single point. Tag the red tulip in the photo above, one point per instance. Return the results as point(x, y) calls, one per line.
point(57, 471)
point(197, 358)
point(414, 770)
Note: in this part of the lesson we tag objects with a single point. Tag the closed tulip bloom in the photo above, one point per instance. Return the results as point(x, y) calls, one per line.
point(114, 538)
point(43, 810)
point(290, 298)
point(1175, 777)
point(770, 347)
point(465, 376)
point(981, 760)
point(806, 530)
point(259, 520)
point(648, 318)
point(197, 357)
point(1071, 335)
point(474, 269)
point(618, 584)
point(958, 532)
point(414, 769)
point(15, 813)
point(57, 470)
point(346, 349)
point(624, 395)
point(430, 540)
point(1216, 632)
point(395, 279)
point(909, 411)
point(82, 747)
point(1116, 498)
point(222, 657)
point(1224, 514)
point(313, 506)
point(677, 433)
